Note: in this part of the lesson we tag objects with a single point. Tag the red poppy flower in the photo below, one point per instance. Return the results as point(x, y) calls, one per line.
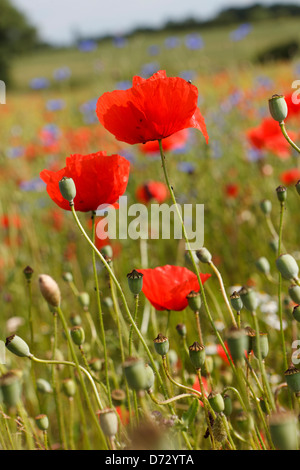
point(173, 142)
point(152, 190)
point(232, 190)
point(166, 287)
point(152, 109)
point(290, 176)
point(268, 136)
point(99, 179)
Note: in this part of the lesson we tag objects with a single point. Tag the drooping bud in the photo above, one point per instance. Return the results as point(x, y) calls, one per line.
point(266, 206)
point(263, 344)
point(194, 301)
point(50, 290)
point(161, 344)
point(69, 387)
point(292, 377)
point(108, 421)
point(42, 422)
point(17, 346)
point(197, 355)
point(43, 386)
point(204, 255)
point(67, 188)
point(263, 265)
point(227, 405)
point(278, 108)
point(135, 282)
point(216, 401)
point(287, 266)
point(283, 430)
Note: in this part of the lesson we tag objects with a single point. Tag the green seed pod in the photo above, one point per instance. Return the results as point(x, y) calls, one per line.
point(249, 298)
point(297, 186)
point(161, 344)
point(69, 387)
point(96, 364)
point(294, 293)
point(181, 329)
point(274, 244)
point(28, 272)
point(250, 332)
point(263, 265)
point(281, 192)
point(204, 255)
point(17, 346)
point(296, 313)
point(150, 377)
point(236, 301)
point(287, 266)
point(84, 300)
point(42, 422)
point(278, 108)
point(238, 343)
point(50, 290)
point(135, 373)
point(216, 401)
point(68, 277)
point(135, 282)
point(75, 319)
point(197, 355)
point(194, 301)
point(266, 206)
point(227, 405)
point(108, 421)
point(283, 430)
point(118, 397)
point(77, 335)
point(43, 386)
point(67, 188)
point(292, 377)
point(264, 345)
point(11, 387)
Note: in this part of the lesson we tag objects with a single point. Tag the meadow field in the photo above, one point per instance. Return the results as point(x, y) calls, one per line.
point(82, 384)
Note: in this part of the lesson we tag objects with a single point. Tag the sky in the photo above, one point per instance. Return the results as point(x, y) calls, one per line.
point(58, 21)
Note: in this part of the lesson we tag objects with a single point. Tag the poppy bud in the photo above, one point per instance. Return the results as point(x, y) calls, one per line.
point(283, 430)
point(181, 329)
point(42, 422)
point(135, 373)
point(197, 355)
point(204, 255)
point(11, 387)
point(161, 344)
point(236, 301)
point(263, 265)
point(227, 405)
point(297, 186)
point(118, 397)
point(263, 343)
point(43, 386)
point(266, 206)
point(49, 290)
point(150, 377)
point(67, 188)
point(77, 335)
point(75, 319)
point(135, 282)
point(194, 301)
point(292, 377)
point(17, 346)
point(108, 421)
point(294, 293)
point(28, 272)
point(296, 313)
point(84, 300)
point(216, 401)
point(68, 277)
point(96, 364)
point(237, 341)
point(281, 193)
point(274, 244)
point(287, 266)
point(278, 108)
point(249, 298)
point(107, 302)
point(69, 387)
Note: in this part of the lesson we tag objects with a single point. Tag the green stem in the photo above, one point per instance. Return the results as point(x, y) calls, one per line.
point(284, 132)
point(218, 274)
point(136, 297)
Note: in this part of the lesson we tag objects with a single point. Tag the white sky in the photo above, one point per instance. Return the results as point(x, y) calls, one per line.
point(58, 20)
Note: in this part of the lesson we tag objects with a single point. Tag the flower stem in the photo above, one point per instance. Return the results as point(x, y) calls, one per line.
point(285, 134)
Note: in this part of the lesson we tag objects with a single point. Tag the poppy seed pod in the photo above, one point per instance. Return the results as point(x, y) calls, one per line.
point(197, 355)
point(281, 192)
point(283, 430)
point(67, 188)
point(28, 272)
point(77, 335)
point(263, 343)
point(251, 333)
point(287, 266)
point(135, 282)
point(181, 329)
point(17, 346)
point(108, 421)
point(42, 422)
point(204, 255)
point(294, 293)
point(161, 344)
point(11, 387)
point(296, 313)
point(69, 387)
point(216, 401)
point(263, 265)
point(135, 373)
point(249, 298)
point(292, 377)
point(150, 377)
point(43, 386)
point(50, 290)
point(84, 300)
point(194, 300)
point(236, 301)
point(278, 108)
point(67, 276)
point(238, 342)
point(227, 405)
point(266, 206)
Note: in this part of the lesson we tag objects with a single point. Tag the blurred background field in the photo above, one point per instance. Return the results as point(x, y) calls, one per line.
point(49, 114)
